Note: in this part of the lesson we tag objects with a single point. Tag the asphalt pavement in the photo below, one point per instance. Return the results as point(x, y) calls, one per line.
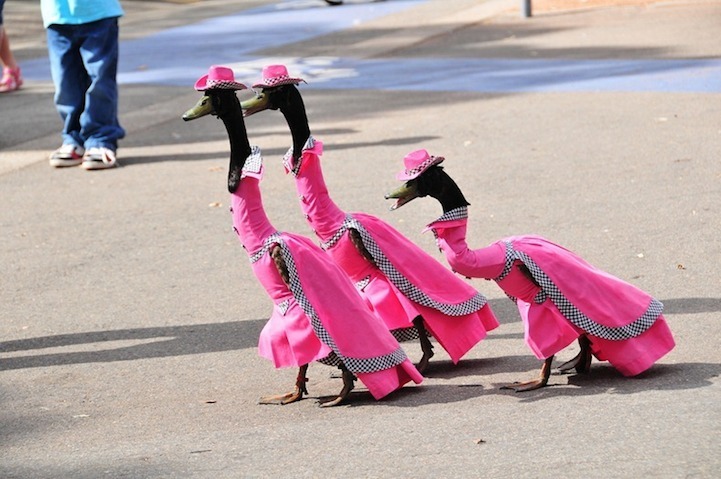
point(130, 316)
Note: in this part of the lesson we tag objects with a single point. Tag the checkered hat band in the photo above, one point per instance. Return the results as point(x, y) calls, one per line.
point(294, 169)
point(279, 80)
point(576, 317)
point(422, 167)
point(354, 365)
point(409, 290)
point(223, 85)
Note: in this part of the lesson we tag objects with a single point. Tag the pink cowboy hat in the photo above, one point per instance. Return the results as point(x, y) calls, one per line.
point(219, 77)
point(416, 162)
point(276, 75)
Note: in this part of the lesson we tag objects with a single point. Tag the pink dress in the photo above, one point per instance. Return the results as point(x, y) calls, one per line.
point(320, 317)
point(407, 282)
point(623, 323)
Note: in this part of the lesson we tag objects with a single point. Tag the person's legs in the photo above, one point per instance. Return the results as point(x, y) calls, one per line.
point(70, 79)
point(99, 50)
point(11, 79)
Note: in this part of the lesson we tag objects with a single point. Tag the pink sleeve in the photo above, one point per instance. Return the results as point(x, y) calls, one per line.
point(485, 262)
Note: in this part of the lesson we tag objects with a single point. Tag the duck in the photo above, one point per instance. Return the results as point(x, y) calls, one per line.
point(414, 294)
point(560, 297)
point(317, 314)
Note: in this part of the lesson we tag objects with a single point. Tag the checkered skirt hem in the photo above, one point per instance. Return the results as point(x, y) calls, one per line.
point(409, 290)
point(355, 365)
point(571, 313)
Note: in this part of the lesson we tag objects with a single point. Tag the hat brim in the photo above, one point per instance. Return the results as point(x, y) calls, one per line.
point(204, 84)
point(432, 161)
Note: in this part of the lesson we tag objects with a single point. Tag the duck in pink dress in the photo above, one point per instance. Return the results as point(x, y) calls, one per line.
point(318, 315)
point(402, 283)
point(560, 296)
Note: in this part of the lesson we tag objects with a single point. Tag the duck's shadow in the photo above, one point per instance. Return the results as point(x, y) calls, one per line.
point(603, 379)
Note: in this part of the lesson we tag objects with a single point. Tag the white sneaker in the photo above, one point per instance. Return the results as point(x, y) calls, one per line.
point(67, 155)
point(99, 158)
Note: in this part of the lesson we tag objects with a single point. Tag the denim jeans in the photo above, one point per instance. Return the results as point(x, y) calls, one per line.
point(84, 65)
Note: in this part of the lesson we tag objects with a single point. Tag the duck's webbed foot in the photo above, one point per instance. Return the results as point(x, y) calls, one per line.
point(536, 383)
point(582, 361)
point(426, 345)
point(348, 385)
point(290, 397)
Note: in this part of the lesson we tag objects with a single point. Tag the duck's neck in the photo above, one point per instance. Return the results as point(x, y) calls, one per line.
point(324, 216)
point(447, 192)
point(250, 221)
point(237, 134)
point(294, 112)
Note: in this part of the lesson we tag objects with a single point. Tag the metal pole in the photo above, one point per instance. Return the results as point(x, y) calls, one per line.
point(526, 8)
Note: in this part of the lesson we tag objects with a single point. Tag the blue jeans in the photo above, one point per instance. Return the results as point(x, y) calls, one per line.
point(84, 65)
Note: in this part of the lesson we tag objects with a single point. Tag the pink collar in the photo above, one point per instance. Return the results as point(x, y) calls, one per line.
point(311, 146)
point(450, 219)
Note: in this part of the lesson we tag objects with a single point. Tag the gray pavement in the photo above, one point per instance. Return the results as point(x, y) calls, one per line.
point(130, 315)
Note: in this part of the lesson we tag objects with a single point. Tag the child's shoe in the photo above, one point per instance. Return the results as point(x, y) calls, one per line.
point(11, 80)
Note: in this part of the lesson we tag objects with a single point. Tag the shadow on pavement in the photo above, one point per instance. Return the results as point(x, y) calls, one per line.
point(236, 335)
point(602, 380)
point(167, 341)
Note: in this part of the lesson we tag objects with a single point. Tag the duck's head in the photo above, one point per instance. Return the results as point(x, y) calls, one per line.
point(426, 184)
point(275, 98)
point(275, 91)
point(219, 99)
point(423, 176)
point(216, 102)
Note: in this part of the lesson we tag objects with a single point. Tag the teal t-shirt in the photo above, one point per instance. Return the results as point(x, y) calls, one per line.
point(74, 12)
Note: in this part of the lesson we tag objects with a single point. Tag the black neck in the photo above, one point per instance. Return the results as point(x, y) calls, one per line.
point(232, 117)
point(442, 187)
point(293, 110)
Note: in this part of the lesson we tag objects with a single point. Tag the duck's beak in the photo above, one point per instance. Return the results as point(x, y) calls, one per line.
point(202, 108)
point(254, 105)
point(404, 194)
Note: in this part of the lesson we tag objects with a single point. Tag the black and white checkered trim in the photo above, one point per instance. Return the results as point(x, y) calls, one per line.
point(355, 365)
point(269, 241)
point(254, 162)
point(571, 313)
point(294, 169)
point(460, 213)
point(409, 290)
point(407, 334)
point(224, 85)
point(361, 285)
point(432, 160)
point(510, 258)
point(283, 306)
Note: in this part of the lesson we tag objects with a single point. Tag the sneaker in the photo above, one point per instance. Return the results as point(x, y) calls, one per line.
point(99, 158)
point(11, 80)
point(67, 155)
